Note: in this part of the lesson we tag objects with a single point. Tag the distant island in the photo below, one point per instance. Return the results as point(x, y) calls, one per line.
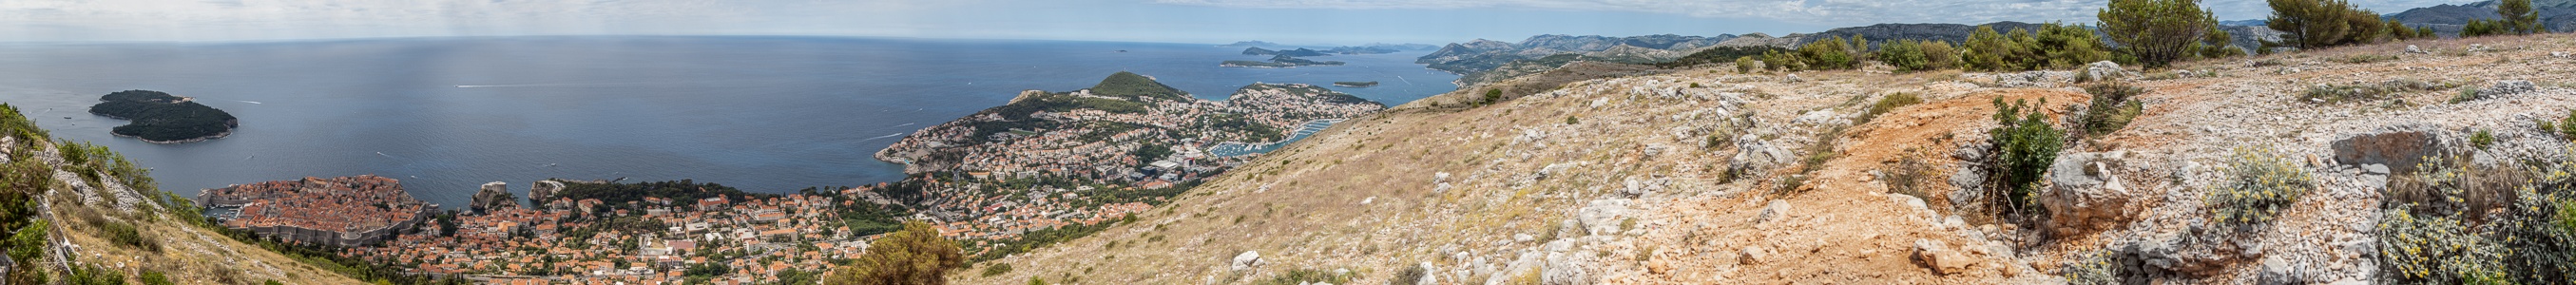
point(1250, 44)
point(162, 118)
point(1278, 61)
point(1355, 84)
point(1289, 52)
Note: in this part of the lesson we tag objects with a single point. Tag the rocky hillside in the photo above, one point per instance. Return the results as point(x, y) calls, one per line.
point(1478, 56)
point(1708, 177)
point(96, 217)
point(2559, 15)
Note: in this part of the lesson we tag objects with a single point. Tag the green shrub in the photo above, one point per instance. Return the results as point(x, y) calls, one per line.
point(1411, 275)
point(1905, 55)
point(1569, 120)
point(2026, 145)
point(2259, 184)
point(1783, 61)
point(997, 269)
point(2112, 108)
point(2567, 126)
point(1828, 54)
point(2482, 139)
point(1939, 55)
point(1744, 65)
point(154, 277)
point(2157, 32)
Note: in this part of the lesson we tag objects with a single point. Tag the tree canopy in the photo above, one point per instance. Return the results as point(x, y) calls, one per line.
point(914, 255)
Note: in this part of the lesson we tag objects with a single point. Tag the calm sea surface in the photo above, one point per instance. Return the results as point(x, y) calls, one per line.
point(766, 114)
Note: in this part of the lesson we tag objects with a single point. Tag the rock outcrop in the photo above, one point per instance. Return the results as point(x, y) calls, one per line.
point(493, 196)
point(2400, 148)
point(2085, 193)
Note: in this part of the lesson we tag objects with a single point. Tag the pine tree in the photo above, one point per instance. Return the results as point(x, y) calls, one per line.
point(2158, 32)
point(914, 255)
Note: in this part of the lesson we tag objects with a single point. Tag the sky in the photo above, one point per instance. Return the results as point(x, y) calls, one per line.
point(1300, 22)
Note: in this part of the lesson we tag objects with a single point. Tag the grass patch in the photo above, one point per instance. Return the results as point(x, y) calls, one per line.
point(1308, 276)
point(2112, 108)
point(1886, 104)
point(2334, 94)
point(2364, 58)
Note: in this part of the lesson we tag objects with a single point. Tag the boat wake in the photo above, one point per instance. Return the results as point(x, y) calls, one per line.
point(248, 101)
point(883, 136)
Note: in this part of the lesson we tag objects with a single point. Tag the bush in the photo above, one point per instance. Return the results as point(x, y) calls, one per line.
point(2100, 269)
point(2432, 249)
point(1783, 61)
point(2259, 184)
point(1828, 54)
point(2026, 145)
point(2567, 126)
point(1492, 96)
point(997, 269)
point(2157, 32)
point(2482, 139)
point(914, 255)
point(1903, 54)
point(1939, 55)
point(2112, 108)
point(1411, 275)
point(2314, 24)
point(1308, 276)
point(2466, 95)
point(1746, 64)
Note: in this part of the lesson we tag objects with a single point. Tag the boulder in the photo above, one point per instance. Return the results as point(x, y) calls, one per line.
point(2084, 193)
point(2506, 88)
point(1247, 260)
point(2103, 70)
point(1562, 269)
point(2415, 50)
point(1753, 155)
point(2277, 270)
point(1937, 256)
point(1604, 216)
point(1752, 255)
point(1774, 212)
point(2400, 148)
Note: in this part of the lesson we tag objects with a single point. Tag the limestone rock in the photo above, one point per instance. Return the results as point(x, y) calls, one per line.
point(2400, 148)
point(2415, 50)
point(2506, 88)
point(1752, 255)
point(1247, 260)
point(1604, 216)
point(1753, 155)
point(1776, 211)
point(2104, 70)
point(2084, 193)
point(1936, 255)
point(1565, 270)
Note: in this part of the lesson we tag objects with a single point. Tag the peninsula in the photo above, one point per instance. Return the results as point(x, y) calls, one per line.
point(1277, 62)
point(163, 118)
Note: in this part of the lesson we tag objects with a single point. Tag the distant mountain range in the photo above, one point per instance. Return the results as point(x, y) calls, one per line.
point(2559, 15)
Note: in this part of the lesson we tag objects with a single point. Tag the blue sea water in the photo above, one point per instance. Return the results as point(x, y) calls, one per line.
point(765, 114)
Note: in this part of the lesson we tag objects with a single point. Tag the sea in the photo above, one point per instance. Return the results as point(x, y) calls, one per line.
point(445, 115)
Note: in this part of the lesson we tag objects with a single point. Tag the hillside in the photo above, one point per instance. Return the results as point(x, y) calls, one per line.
point(2558, 15)
point(115, 225)
point(1473, 58)
point(1703, 176)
